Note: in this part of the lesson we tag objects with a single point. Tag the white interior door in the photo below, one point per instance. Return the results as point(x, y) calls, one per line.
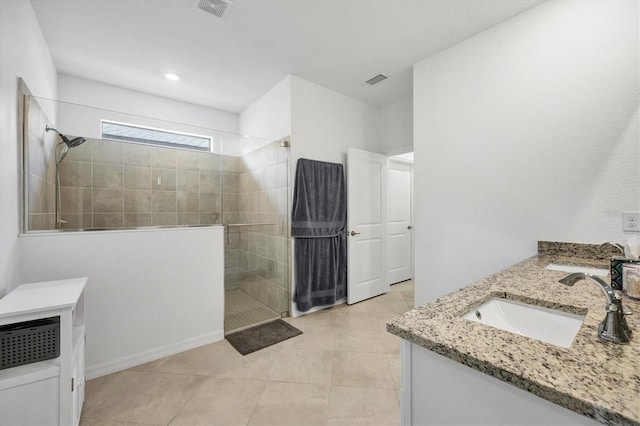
point(399, 256)
point(367, 219)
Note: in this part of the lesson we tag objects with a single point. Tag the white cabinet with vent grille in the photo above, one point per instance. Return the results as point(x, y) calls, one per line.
point(48, 392)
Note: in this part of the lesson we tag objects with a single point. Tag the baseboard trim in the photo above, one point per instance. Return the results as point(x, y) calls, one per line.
point(133, 360)
point(296, 313)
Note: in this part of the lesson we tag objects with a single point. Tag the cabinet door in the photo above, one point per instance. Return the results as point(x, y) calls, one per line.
point(77, 375)
point(34, 403)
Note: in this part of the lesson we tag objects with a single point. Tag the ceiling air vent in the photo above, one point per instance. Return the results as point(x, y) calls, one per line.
point(377, 79)
point(220, 8)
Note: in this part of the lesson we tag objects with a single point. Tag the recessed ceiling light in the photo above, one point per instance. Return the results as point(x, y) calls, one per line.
point(171, 76)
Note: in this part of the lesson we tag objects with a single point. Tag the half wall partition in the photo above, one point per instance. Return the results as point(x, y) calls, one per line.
point(107, 184)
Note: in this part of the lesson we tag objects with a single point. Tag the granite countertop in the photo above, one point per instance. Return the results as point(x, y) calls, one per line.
point(598, 380)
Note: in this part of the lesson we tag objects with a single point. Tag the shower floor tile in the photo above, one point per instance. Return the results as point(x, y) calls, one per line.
point(242, 311)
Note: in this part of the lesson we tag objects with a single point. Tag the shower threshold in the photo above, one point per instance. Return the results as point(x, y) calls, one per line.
point(242, 311)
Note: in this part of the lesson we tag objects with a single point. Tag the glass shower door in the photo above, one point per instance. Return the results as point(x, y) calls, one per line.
point(255, 188)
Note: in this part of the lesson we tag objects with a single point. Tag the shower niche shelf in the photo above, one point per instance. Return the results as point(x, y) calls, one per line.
point(49, 392)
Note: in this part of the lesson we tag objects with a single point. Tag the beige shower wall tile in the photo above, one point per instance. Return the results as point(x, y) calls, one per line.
point(108, 220)
point(75, 200)
point(229, 202)
point(137, 219)
point(81, 152)
point(243, 202)
point(34, 118)
point(244, 182)
point(107, 200)
point(209, 202)
point(160, 219)
point(232, 258)
point(271, 177)
point(74, 173)
point(107, 152)
point(188, 202)
point(136, 155)
point(210, 218)
point(38, 198)
point(231, 164)
point(76, 221)
point(50, 156)
point(233, 238)
point(163, 201)
point(137, 177)
point(37, 162)
point(107, 176)
point(210, 162)
point(230, 182)
point(188, 180)
point(37, 222)
point(163, 179)
point(137, 201)
point(163, 158)
point(251, 161)
point(188, 218)
point(209, 182)
point(283, 175)
point(188, 160)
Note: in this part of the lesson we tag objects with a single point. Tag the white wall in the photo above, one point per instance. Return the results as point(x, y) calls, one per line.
point(119, 104)
point(23, 53)
point(150, 293)
point(324, 124)
point(396, 127)
point(270, 116)
point(526, 132)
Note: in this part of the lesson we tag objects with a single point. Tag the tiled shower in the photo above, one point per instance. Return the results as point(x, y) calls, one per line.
point(257, 251)
point(111, 185)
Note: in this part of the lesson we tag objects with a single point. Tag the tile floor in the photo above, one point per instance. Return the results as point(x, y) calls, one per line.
point(343, 370)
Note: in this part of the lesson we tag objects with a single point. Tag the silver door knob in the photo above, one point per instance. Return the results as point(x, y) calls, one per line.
point(409, 227)
point(354, 233)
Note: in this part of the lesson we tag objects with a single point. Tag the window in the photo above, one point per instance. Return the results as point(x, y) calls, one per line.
point(147, 135)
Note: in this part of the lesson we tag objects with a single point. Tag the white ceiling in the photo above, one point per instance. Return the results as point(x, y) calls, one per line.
point(229, 63)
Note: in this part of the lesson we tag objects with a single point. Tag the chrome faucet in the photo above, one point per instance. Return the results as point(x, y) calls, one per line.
point(614, 327)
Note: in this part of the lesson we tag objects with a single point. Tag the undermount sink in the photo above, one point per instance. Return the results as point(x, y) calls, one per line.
point(576, 268)
point(548, 325)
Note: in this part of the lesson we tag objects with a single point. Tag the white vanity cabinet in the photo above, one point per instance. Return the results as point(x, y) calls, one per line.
point(439, 391)
point(49, 392)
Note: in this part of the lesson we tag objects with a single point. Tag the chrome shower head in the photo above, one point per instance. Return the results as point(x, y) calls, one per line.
point(68, 144)
point(71, 143)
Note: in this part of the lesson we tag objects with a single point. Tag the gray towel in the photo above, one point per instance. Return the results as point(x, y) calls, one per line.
point(318, 221)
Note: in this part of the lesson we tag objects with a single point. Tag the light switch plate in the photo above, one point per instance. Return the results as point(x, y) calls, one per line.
point(631, 221)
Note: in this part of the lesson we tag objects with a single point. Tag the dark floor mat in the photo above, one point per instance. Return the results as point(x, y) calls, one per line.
point(261, 336)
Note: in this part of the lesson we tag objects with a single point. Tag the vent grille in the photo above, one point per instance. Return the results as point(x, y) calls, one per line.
point(377, 79)
point(219, 8)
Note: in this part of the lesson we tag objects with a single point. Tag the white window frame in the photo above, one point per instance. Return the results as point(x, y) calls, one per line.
point(151, 142)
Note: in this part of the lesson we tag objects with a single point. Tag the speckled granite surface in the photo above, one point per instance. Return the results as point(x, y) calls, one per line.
point(598, 380)
point(577, 253)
